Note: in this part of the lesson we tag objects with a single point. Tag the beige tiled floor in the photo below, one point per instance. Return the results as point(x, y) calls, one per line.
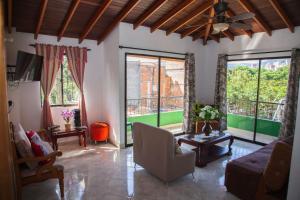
point(103, 172)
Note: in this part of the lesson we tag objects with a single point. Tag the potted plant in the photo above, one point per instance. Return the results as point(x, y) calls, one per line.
point(206, 114)
point(67, 115)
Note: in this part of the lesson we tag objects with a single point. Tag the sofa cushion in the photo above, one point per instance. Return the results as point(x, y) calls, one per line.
point(23, 145)
point(39, 147)
point(276, 172)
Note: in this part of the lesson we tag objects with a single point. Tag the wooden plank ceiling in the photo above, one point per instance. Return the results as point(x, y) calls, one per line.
point(96, 19)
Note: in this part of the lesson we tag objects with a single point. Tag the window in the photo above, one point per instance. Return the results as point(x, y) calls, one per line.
point(64, 92)
point(154, 92)
point(256, 92)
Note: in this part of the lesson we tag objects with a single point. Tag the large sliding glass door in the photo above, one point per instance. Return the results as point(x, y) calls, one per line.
point(256, 90)
point(154, 92)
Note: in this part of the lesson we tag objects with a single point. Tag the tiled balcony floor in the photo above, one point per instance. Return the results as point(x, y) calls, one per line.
point(249, 135)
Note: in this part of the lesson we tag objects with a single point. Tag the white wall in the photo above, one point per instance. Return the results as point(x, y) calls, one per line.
point(26, 96)
point(111, 85)
point(294, 193)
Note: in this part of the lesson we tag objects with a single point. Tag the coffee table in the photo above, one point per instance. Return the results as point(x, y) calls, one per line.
point(207, 149)
point(81, 133)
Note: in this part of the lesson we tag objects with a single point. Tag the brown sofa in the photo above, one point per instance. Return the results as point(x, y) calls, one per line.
point(261, 175)
point(154, 149)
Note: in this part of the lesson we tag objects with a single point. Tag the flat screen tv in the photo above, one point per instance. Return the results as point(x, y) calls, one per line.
point(28, 67)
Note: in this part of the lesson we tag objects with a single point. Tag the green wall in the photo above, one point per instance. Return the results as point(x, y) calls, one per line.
point(264, 126)
point(166, 118)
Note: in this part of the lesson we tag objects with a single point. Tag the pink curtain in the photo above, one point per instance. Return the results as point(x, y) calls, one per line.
point(77, 58)
point(53, 56)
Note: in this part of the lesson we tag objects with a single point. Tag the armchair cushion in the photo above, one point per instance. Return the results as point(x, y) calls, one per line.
point(177, 147)
point(23, 145)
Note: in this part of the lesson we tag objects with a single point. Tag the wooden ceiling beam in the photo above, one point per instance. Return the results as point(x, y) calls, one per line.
point(215, 38)
point(199, 35)
point(228, 34)
point(90, 3)
point(121, 15)
point(195, 13)
point(95, 18)
point(152, 9)
point(191, 30)
point(209, 25)
point(65, 24)
point(9, 15)
point(282, 14)
point(41, 17)
point(230, 13)
point(258, 18)
point(171, 14)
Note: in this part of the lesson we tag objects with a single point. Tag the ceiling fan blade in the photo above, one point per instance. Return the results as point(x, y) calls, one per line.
point(208, 17)
point(236, 25)
point(243, 16)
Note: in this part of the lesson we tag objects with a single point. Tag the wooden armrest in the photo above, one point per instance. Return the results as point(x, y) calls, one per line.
point(51, 156)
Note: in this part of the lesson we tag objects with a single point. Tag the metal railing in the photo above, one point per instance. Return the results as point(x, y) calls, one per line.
point(149, 105)
point(266, 110)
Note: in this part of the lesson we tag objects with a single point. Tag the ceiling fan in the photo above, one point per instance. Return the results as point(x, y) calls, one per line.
point(221, 22)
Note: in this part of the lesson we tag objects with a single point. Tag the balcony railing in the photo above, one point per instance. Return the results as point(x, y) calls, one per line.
point(266, 110)
point(149, 105)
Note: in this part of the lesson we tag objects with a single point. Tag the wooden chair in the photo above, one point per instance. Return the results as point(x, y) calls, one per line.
point(41, 173)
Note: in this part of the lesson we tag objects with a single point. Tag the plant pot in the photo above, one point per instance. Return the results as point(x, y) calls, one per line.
point(206, 129)
point(67, 127)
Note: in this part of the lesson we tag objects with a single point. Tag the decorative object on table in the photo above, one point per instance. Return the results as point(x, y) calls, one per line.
point(206, 114)
point(99, 131)
point(77, 121)
point(67, 115)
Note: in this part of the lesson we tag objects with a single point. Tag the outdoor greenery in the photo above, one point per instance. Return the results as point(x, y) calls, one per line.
point(242, 83)
point(65, 91)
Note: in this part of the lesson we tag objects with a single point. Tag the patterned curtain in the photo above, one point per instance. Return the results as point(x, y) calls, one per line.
point(189, 92)
point(77, 58)
point(52, 59)
point(290, 112)
point(221, 88)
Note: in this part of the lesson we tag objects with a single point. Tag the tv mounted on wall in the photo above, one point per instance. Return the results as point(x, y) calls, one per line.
point(29, 67)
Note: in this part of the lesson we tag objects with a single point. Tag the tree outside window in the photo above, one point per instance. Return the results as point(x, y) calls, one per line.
point(65, 92)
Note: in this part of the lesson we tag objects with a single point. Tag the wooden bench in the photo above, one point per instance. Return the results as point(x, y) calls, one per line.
point(40, 173)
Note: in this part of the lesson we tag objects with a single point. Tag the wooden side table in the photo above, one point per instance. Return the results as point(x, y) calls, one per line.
point(81, 133)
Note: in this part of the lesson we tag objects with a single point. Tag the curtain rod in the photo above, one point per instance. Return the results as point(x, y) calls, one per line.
point(33, 45)
point(134, 48)
point(253, 53)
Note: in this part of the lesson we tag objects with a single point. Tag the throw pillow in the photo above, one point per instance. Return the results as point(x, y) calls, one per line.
point(39, 147)
point(277, 170)
point(23, 145)
point(177, 147)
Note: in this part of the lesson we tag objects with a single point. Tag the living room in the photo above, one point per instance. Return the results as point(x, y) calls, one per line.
point(107, 170)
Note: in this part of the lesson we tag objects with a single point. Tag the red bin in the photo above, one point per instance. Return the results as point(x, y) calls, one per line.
point(99, 131)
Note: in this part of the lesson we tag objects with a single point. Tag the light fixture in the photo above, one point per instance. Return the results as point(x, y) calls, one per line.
point(218, 27)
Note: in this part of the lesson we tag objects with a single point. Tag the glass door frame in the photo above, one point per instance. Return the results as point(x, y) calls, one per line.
point(257, 96)
point(159, 57)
